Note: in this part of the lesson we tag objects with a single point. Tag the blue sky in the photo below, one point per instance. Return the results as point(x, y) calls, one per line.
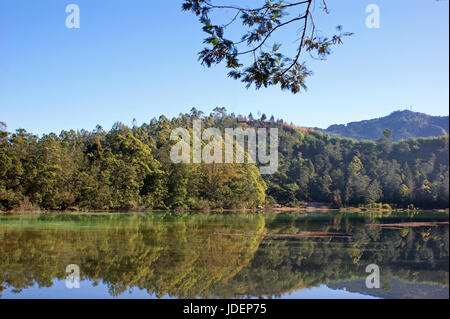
point(138, 59)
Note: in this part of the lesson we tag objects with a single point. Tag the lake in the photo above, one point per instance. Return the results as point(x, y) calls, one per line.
point(169, 255)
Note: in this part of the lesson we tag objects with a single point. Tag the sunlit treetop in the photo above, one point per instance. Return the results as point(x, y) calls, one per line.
point(266, 65)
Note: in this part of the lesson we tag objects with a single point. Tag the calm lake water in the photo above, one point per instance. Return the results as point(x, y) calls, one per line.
point(167, 255)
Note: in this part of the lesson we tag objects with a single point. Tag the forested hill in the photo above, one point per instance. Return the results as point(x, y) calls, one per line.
point(130, 168)
point(403, 124)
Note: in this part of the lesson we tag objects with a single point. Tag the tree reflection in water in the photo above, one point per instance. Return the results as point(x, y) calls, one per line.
point(182, 256)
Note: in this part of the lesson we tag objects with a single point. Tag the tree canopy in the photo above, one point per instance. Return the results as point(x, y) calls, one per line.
point(130, 168)
point(251, 57)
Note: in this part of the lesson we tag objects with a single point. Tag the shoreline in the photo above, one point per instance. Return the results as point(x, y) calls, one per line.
point(271, 210)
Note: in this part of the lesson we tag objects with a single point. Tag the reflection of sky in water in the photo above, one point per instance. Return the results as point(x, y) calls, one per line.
point(87, 290)
point(60, 291)
point(167, 254)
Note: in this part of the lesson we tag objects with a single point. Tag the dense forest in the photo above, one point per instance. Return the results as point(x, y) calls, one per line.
point(403, 125)
point(130, 168)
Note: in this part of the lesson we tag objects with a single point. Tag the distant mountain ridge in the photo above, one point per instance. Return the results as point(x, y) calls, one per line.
point(403, 124)
point(394, 288)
